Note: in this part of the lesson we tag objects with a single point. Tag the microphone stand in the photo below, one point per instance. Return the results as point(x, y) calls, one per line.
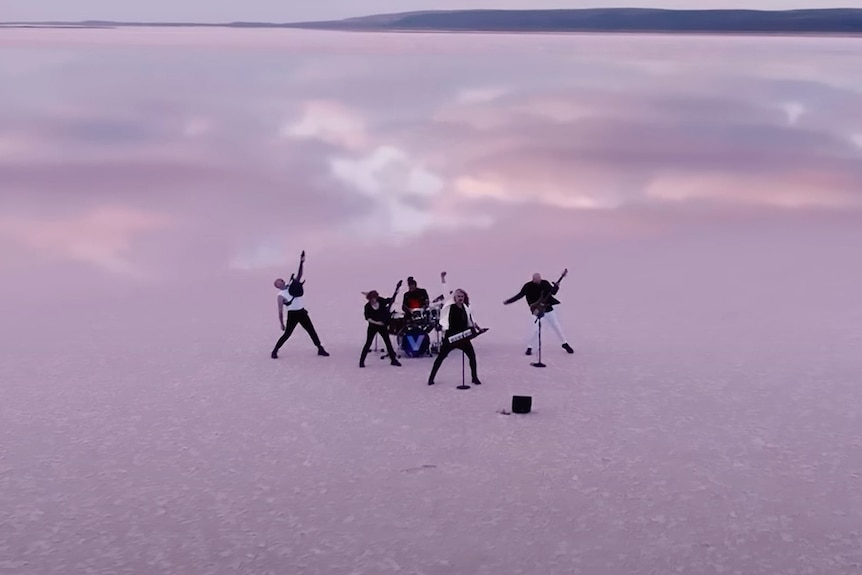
point(539, 363)
point(463, 380)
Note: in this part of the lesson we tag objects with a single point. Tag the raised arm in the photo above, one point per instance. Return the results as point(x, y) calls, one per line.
point(446, 291)
point(519, 295)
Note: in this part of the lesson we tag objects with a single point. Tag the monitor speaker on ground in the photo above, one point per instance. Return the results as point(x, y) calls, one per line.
point(522, 403)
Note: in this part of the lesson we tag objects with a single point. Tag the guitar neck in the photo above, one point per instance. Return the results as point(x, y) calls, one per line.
point(394, 295)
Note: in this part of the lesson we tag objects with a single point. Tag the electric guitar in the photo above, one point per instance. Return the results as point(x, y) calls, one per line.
point(392, 299)
point(539, 307)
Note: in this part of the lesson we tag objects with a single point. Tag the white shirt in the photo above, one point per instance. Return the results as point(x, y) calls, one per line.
point(295, 305)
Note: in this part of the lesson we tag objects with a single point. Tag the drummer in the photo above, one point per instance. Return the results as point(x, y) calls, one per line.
point(415, 298)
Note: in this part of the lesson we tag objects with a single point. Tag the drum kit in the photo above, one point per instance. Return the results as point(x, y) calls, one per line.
point(413, 331)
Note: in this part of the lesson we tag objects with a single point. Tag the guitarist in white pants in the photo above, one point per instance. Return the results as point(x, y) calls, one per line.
point(540, 297)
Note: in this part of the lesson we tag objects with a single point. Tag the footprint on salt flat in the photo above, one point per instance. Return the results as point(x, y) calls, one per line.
point(417, 469)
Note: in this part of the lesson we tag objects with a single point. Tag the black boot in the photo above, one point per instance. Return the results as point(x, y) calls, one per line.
point(476, 380)
point(529, 351)
point(568, 348)
point(274, 354)
point(321, 351)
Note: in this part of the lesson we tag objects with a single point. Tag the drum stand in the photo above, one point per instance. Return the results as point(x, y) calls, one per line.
point(385, 355)
point(395, 348)
point(539, 363)
point(378, 350)
point(436, 345)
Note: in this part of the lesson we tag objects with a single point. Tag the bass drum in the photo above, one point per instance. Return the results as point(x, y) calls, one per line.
point(415, 341)
point(397, 323)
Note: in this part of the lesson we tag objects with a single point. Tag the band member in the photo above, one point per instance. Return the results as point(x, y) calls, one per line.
point(378, 314)
point(455, 318)
point(414, 298)
point(290, 296)
point(540, 291)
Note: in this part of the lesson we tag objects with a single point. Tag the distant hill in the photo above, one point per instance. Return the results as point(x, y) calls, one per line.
point(810, 21)
point(837, 20)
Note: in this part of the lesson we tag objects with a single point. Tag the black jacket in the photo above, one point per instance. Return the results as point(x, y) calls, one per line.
point(535, 291)
point(382, 313)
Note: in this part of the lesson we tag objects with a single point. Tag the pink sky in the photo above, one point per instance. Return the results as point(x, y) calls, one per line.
point(129, 161)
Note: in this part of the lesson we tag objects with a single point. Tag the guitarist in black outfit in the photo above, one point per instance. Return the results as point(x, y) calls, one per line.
point(540, 297)
point(378, 314)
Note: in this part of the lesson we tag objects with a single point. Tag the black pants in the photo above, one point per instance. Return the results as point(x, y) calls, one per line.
point(447, 348)
point(374, 329)
point(294, 318)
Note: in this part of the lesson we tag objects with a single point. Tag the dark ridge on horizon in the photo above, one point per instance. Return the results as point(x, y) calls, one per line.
point(816, 20)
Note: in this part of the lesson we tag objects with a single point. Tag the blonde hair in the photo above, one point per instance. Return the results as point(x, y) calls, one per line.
point(466, 295)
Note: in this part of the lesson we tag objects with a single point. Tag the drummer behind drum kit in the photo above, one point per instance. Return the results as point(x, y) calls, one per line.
point(413, 333)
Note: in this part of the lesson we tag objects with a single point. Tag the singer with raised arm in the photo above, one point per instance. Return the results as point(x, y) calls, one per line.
point(290, 296)
point(459, 328)
point(378, 314)
point(541, 301)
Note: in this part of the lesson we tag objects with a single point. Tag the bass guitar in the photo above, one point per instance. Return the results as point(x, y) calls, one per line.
point(539, 307)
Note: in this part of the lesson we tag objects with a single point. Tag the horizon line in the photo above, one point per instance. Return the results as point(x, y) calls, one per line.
point(378, 14)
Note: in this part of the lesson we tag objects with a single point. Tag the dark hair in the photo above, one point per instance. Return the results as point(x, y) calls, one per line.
point(411, 281)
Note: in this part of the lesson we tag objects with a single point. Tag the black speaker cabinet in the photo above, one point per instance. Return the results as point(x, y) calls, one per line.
point(522, 404)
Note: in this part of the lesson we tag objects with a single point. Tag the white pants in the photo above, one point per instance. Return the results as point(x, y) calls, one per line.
point(548, 320)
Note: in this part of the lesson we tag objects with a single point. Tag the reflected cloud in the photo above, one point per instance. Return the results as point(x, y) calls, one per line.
point(793, 110)
point(329, 122)
point(253, 143)
point(480, 95)
point(102, 237)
